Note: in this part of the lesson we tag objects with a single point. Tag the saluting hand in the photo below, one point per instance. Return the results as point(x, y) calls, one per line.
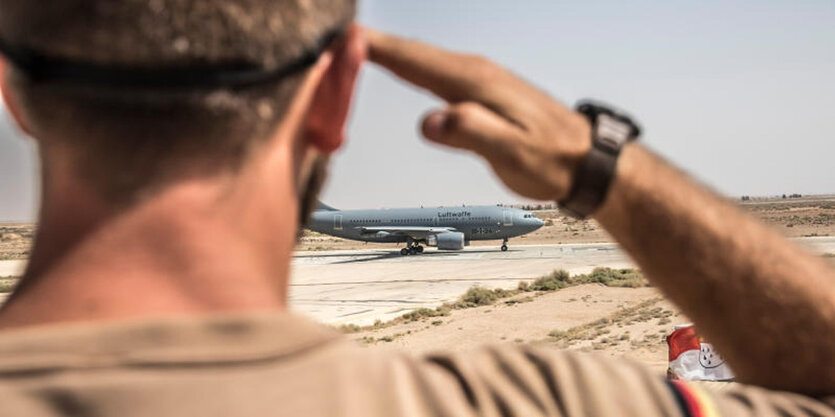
point(533, 143)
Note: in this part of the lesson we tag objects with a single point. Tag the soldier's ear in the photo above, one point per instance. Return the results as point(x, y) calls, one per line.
point(327, 117)
point(11, 101)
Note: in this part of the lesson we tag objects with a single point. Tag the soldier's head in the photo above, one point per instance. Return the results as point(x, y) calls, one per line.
point(129, 96)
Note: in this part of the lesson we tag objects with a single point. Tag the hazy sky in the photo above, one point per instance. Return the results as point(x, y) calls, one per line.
point(740, 94)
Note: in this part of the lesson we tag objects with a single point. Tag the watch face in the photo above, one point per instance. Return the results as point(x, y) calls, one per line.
point(600, 114)
point(612, 133)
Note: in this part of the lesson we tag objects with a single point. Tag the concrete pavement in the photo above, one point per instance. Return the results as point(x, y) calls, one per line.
point(362, 286)
point(12, 268)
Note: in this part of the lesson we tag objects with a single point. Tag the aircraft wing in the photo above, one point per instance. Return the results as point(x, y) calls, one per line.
point(415, 232)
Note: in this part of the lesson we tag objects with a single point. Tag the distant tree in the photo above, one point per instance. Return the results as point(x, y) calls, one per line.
point(745, 198)
point(784, 196)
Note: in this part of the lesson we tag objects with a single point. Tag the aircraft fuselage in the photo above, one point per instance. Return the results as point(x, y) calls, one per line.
point(475, 222)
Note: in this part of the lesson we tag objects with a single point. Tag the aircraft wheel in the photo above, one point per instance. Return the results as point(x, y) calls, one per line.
point(419, 249)
point(404, 251)
point(504, 248)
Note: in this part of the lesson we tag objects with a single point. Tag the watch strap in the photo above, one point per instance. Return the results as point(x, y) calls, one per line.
point(592, 183)
point(610, 132)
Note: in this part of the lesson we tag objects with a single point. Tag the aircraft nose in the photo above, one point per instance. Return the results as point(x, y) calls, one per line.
point(536, 223)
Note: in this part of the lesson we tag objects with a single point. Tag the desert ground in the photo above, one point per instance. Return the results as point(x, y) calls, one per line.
point(332, 280)
point(627, 322)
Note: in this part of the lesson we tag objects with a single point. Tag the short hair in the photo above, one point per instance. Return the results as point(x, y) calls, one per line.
point(126, 141)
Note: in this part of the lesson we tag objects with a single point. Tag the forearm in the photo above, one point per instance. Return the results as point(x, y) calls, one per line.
point(767, 305)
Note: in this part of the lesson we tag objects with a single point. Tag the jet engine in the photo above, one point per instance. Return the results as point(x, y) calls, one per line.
point(447, 240)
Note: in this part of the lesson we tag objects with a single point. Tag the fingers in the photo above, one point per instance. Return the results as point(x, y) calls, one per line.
point(443, 72)
point(473, 127)
point(532, 142)
point(453, 76)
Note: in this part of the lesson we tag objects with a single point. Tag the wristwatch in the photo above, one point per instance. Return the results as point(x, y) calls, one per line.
point(610, 131)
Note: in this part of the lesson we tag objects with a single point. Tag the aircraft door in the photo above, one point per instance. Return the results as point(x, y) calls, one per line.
point(507, 217)
point(337, 222)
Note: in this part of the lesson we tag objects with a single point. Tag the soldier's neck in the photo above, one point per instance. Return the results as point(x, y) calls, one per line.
point(196, 247)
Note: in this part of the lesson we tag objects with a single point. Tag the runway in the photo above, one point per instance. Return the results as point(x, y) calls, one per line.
point(11, 268)
point(361, 286)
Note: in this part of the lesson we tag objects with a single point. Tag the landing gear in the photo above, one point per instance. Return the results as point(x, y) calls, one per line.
point(411, 248)
point(504, 245)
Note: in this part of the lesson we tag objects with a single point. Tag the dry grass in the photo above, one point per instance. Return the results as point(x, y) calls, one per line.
point(556, 280)
point(559, 279)
point(7, 284)
point(638, 313)
point(821, 219)
point(614, 278)
point(479, 296)
point(612, 330)
point(349, 328)
point(520, 300)
point(424, 313)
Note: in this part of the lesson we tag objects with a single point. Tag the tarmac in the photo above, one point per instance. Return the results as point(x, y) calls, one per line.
point(11, 268)
point(361, 286)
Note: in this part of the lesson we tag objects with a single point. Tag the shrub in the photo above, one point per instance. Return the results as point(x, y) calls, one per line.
point(477, 296)
point(556, 280)
point(423, 313)
point(7, 285)
point(614, 278)
point(349, 328)
point(503, 293)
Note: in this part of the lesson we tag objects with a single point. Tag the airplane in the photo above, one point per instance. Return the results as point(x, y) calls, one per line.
point(447, 228)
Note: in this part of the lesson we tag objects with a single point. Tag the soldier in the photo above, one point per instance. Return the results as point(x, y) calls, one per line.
point(175, 138)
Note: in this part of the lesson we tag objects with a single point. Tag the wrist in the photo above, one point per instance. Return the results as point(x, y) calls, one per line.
point(609, 132)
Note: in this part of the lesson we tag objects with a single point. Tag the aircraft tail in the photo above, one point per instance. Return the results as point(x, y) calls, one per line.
point(324, 207)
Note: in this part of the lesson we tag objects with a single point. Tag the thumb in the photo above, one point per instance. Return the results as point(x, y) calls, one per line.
point(469, 125)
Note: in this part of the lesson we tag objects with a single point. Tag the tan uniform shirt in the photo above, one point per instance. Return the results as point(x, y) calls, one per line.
point(282, 365)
